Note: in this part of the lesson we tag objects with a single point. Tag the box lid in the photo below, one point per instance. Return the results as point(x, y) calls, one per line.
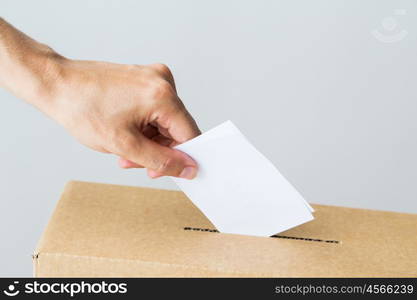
point(108, 231)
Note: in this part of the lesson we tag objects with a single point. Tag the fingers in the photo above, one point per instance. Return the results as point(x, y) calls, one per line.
point(178, 123)
point(160, 139)
point(174, 120)
point(181, 127)
point(153, 174)
point(127, 164)
point(162, 160)
point(163, 140)
point(165, 72)
point(170, 124)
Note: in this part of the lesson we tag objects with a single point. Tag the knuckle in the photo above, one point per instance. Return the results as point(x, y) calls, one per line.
point(132, 68)
point(162, 68)
point(160, 89)
point(123, 142)
point(164, 166)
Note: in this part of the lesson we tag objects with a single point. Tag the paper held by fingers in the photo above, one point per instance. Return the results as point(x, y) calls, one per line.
point(238, 189)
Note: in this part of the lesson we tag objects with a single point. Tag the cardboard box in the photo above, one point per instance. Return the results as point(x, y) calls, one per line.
point(111, 231)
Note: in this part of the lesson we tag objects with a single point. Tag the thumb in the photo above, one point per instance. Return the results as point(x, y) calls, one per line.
point(160, 160)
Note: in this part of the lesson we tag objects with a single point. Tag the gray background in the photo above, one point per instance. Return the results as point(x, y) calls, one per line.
point(332, 106)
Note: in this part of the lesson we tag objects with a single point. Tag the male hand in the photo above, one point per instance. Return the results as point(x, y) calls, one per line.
point(128, 110)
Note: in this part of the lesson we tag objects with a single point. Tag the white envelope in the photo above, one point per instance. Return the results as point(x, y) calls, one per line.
point(237, 188)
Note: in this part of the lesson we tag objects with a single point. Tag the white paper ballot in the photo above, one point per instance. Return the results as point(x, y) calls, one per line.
point(237, 188)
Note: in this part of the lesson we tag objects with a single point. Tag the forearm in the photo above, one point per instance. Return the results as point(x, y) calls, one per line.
point(28, 69)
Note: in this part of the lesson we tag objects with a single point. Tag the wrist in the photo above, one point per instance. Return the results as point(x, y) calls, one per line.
point(43, 69)
point(32, 73)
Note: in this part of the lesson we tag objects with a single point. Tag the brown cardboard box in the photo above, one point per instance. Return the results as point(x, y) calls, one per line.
point(110, 231)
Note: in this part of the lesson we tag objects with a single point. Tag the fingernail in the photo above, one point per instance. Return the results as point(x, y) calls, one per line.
point(188, 173)
point(153, 174)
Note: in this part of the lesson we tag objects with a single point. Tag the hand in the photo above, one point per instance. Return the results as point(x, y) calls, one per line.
point(128, 110)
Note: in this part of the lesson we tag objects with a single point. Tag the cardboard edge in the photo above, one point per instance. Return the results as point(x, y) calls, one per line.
point(156, 269)
point(76, 182)
point(35, 261)
point(150, 266)
point(38, 249)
